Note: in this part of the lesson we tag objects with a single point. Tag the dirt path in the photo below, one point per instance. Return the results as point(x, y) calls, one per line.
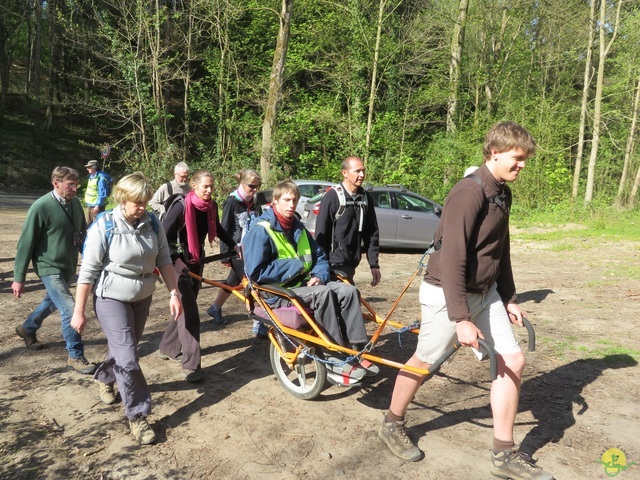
point(579, 397)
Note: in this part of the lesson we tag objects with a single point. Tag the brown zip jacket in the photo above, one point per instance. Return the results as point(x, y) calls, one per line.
point(475, 250)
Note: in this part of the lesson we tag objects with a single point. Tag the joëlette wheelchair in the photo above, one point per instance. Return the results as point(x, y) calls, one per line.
point(299, 348)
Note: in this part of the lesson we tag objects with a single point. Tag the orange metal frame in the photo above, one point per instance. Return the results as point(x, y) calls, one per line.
point(315, 334)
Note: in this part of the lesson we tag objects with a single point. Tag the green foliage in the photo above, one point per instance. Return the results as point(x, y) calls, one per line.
point(544, 181)
point(444, 161)
point(189, 81)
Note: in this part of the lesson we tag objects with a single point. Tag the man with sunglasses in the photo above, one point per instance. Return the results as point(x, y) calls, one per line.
point(179, 184)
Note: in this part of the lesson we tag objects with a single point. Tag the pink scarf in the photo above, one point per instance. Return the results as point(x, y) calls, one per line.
point(191, 203)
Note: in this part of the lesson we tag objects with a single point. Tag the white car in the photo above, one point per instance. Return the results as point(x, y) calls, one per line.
point(308, 189)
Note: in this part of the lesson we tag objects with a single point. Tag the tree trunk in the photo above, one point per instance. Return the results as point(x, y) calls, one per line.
point(597, 109)
point(634, 190)
point(628, 151)
point(275, 88)
point(139, 90)
point(54, 64)
point(373, 89)
point(187, 85)
point(457, 44)
point(5, 64)
point(585, 101)
point(161, 136)
point(36, 85)
point(222, 32)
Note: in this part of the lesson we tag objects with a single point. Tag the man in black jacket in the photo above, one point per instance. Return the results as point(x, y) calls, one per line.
point(346, 221)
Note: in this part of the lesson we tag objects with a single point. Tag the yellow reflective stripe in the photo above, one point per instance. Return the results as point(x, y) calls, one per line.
point(285, 248)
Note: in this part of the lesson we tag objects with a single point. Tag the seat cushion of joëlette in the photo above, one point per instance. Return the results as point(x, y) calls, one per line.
point(288, 316)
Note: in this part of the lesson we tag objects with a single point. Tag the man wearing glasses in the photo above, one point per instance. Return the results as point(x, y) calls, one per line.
point(51, 237)
point(179, 184)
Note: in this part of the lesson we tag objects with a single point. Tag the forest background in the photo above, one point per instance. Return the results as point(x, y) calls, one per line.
point(293, 86)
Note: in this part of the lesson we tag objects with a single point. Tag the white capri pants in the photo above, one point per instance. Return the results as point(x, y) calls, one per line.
point(437, 332)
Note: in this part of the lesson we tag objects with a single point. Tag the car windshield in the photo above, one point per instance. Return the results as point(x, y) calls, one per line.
point(317, 197)
point(409, 202)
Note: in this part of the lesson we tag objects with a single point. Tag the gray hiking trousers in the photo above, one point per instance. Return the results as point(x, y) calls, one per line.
point(123, 324)
point(336, 306)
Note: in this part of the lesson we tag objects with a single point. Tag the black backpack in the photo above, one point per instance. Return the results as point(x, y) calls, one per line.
point(169, 202)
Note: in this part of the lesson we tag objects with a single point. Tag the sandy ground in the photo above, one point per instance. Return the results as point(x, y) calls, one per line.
point(579, 395)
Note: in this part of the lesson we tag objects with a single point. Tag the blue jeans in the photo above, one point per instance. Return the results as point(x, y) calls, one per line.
point(58, 297)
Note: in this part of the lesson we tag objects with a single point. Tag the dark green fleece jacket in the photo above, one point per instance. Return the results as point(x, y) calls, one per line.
point(47, 238)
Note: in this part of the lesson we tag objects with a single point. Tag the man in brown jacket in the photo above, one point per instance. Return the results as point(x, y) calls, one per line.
point(468, 293)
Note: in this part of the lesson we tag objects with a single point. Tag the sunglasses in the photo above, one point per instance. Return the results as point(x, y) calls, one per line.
point(252, 186)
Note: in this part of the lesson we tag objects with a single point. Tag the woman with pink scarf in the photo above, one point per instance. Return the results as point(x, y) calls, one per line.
point(187, 224)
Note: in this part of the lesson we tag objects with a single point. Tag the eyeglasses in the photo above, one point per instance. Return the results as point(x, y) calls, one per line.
point(252, 186)
point(184, 176)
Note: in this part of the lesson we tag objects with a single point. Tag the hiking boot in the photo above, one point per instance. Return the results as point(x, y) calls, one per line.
point(516, 465)
point(216, 313)
point(107, 392)
point(81, 365)
point(394, 435)
point(178, 359)
point(193, 376)
point(259, 330)
point(30, 340)
point(141, 430)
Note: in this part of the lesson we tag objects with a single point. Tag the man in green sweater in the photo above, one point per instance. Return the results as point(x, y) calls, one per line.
point(51, 237)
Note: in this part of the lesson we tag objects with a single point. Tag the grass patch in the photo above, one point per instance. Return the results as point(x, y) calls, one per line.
point(562, 247)
point(595, 222)
point(605, 350)
point(559, 348)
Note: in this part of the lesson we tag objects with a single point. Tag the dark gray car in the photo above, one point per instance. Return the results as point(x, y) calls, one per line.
point(405, 219)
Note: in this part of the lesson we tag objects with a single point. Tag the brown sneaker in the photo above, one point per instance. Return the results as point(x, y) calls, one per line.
point(30, 340)
point(107, 392)
point(141, 430)
point(394, 435)
point(81, 365)
point(516, 465)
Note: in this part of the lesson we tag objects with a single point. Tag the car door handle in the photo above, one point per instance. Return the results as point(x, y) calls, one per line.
point(408, 217)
